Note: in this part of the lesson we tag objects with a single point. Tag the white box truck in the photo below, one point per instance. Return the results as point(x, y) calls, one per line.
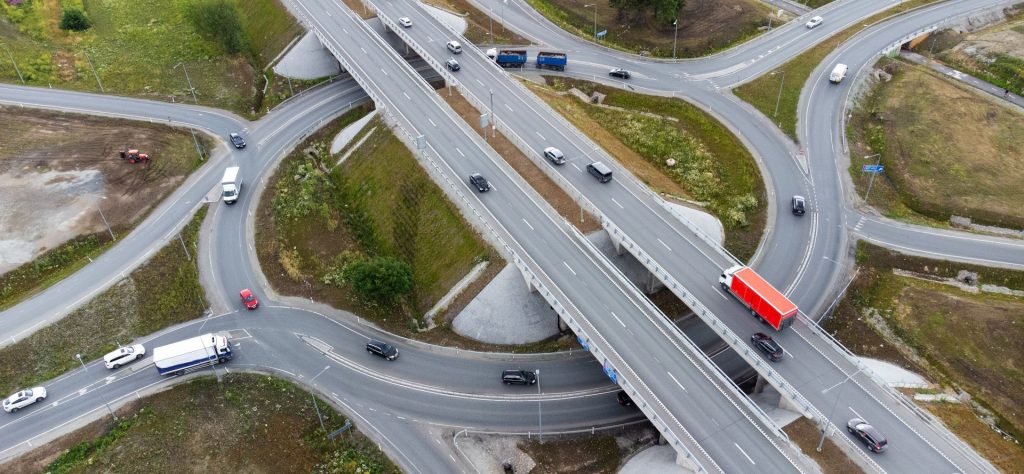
point(838, 73)
point(232, 185)
point(176, 358)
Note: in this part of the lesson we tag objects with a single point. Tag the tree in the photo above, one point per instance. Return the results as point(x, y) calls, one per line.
point(382, 279)
point(74, 19)
point(219, 21)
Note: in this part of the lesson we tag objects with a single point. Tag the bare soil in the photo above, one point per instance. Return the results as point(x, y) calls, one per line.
point(538, 180)
point(58, 170)
point(1004, 454)
point(831, 459)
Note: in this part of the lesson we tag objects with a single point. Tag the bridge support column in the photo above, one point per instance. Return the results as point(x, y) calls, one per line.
point(617, 242)
point(562, 326)
point(759, 384)
point(786, 404)
point(529, 284)
point(652, 284)
point(681, 461)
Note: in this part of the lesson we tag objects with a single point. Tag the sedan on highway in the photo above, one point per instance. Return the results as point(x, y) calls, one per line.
point(124, 355)
point(454, 47)
point(518, 377)
point(815, 21)
point(405, 22)
point(248, 299)
point(554, 155)
point(619, 73)
point(479, 182)
point(869, 435)
point(767, 345)
point(799, 206)
point(237, 140)
point(452, 65)
point(23, 399)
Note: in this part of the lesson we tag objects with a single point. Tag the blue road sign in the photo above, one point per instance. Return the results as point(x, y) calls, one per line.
point(602, 33)
point(873, 168)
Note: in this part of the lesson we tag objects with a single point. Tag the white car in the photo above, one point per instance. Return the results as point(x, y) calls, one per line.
point(405, 22)
point(124, 355)
point(813, 22)
point(23, 399)
point(454, 47)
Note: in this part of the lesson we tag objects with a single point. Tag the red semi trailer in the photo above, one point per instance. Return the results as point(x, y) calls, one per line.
point(763, 300)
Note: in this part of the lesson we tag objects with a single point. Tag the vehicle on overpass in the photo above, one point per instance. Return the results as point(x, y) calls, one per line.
point(764, 301)
point(192, 353)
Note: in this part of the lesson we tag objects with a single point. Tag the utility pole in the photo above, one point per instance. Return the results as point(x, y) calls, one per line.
point(873, 174)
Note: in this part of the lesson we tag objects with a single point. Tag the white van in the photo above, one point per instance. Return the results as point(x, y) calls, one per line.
point(231, 184)
point(838, 73)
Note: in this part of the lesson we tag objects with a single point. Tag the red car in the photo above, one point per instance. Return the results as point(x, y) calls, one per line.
point(248, 299)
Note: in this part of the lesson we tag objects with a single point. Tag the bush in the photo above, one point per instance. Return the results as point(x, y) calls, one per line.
point(382, 279)
point(74, 19)
point(220, 22)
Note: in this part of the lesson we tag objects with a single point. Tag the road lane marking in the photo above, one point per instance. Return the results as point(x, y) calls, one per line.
point(541, 136)
point(509, 108)
point(528, 224)
point(364, 51)
point(460, 152)
point(857, 414)
point(744, 454)
point(432, 122)
point(617, 203)
point(570, 268)
point(676, 381)
point(666, 245)
point(478, 82)
point(617, 319)
point(406, 95)
point(719, 288)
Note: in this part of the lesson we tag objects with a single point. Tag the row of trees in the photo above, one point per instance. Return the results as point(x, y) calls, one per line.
point(641, 11)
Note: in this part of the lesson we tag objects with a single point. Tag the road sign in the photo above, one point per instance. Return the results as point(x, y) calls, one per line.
point(602, 33)
point(872, 168)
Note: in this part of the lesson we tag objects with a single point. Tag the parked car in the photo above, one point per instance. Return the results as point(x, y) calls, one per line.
point(624, 399)
point(619, 73)
point(382, 349)
point(248, 299)
point(868, 434)
point(767, 345)
point(124, 355)
point(479, 182)
point(518, 377)
point(454, 47)
point(405, 22)
point(23, 399)
point(815, 21)
point(237, 140)
point(452, 65)
point(799, 207)
point(554, 155)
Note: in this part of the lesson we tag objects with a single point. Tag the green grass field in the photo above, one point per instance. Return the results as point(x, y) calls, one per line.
point(135, 47)
point(260, 424)
point(162, 292)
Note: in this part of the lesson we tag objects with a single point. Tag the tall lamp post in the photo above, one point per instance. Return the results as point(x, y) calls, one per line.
point(100, 208)
point(873, 174)
point(213, 364)
point(779, 97)
point(190, 88)
point(493, 125)
point(594, 5)
point(824, 425)
point(540, 412)
point(85, 369)
point(315, 406)
point(675, 35)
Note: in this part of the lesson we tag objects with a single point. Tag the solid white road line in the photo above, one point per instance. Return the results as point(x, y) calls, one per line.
point(570, 268)
point(744, 454)
point(619, 320)
point(674, 379)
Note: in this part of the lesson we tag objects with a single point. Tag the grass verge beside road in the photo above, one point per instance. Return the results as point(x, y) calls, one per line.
point(958, 339)
point(481, 29)
point(162, 292)
point(831, 459)
point(247, 423)
point(936, 167)
point(764, 92)
point(711, 164)
point(705, 26)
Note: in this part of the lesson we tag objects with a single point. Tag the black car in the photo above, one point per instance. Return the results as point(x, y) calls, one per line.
point(767, 345)
point(799, 208)
point(868, 434)
point(619, 73)
point(518, 377)
point(237, 140)
point(452, 65)
point(479, 182)
point(624, 399)
point(382, 349)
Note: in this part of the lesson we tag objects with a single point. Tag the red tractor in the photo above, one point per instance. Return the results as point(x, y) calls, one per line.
point(133, 156)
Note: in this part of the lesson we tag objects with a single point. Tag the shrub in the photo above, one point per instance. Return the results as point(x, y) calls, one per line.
point(382, 279)
point(219, 21)
point(74, 19)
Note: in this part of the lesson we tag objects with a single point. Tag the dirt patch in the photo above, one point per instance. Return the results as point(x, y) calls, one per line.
point(947, 149)
point(831, 459)
point(538, 180)
point(704, 26)
point(58, 171)
point(1004, 454)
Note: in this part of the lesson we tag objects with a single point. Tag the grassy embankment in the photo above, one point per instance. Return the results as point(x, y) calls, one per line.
point(958, 339)
point(480, 26)
point(247, 423)
point(831, 459)
point(162, 292)
point(55, 141)
point(135, 47)
point(763, 92)
point(936, 167)
point(996, 67)
point(705, 26)
point(712, 165)
point(379, 202)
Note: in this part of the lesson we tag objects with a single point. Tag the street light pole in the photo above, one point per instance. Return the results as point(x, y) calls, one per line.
point(540, 412)
point(190, 88)
point(315, 406)
point(490, 25)
point(779, 98)
point(841, 384)
point(493, 126)
point(213, 365)
point(100, 208)
point(85, 369)
point(15, 63)
point(873, 174)
point(594, 5)
point(675, 35)
point(503, 16)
